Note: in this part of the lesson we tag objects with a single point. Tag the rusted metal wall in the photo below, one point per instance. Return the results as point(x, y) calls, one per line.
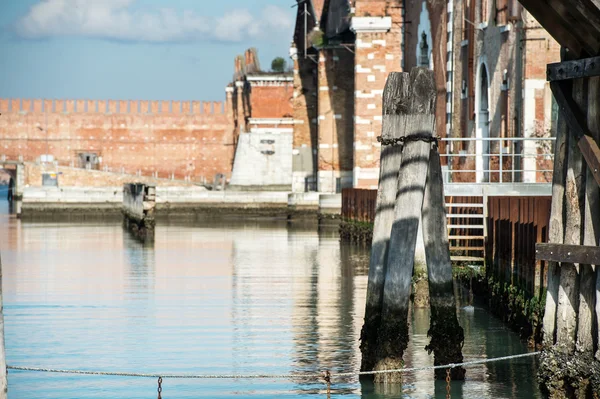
point(515, 225)
point(359, 204)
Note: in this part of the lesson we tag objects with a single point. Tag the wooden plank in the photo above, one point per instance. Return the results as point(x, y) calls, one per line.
point(447, 336)
point(582, 20)
point(556, 228)
point(576, 121)
point(582, 254)
point(591, 153)
point(585, 67)
point(418, 110)
point(568, 290)
point(394, 126)
point(459, 258)
point(554, 24)
point(594, 125)
point(466, 237)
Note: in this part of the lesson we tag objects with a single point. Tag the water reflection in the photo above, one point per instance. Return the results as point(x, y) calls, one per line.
point(240, 298)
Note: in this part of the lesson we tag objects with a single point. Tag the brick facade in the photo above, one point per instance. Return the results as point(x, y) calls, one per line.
point(184, 139)
point(509, 50)
point(467, 43)
point(187, 140)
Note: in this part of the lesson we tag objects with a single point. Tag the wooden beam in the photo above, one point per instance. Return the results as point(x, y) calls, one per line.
point(582, 20)
point(447, 336)
point(591, 153)
point(396, 90)
point(582, 254)
point(585, 67)
point(554, 24)
point(577, 123)
point(418, 110)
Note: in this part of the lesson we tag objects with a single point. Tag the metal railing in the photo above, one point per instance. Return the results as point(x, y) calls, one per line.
point(499, 160)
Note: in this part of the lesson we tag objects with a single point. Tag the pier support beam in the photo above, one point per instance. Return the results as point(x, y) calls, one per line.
point(396, 88)
point(447, 336)
point(568, 367)
point(409, 123)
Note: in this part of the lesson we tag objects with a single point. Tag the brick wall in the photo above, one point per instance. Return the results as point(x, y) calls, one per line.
point(336, 106)
point(513, 50)
point(75, 177)
point(377, 54)
point(182, 138)
point(305, 112)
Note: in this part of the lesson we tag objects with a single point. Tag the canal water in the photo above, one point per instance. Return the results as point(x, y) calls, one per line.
point(218, 298)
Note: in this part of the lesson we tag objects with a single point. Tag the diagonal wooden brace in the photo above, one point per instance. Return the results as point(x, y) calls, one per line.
point(577, 125)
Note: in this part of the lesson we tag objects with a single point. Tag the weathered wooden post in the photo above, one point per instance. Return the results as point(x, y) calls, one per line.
point(569, 367)
point(418, 122)
point(139, 201)
point(407, 140)
point(447, 336)
point(396, 89)
point(3, 377)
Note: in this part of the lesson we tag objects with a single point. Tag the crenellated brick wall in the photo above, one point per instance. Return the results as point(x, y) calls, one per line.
point(182, 138)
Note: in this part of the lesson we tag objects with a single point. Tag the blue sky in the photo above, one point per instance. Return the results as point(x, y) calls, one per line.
point(135, 49)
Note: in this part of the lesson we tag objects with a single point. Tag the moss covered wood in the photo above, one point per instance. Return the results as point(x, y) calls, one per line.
point(395, 93)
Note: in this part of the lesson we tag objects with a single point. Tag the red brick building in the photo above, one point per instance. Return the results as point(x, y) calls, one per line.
point(189, 140)
point(343, 51)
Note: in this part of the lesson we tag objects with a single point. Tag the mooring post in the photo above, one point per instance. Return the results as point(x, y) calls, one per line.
point(556, 229)
point(591, 231)
point(3, 376)
point(447, 336)
point(417, 111)
point(396, 88)
point(139, 201)
point(592, 212)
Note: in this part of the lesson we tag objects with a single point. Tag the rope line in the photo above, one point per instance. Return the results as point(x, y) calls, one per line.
point(270, 376)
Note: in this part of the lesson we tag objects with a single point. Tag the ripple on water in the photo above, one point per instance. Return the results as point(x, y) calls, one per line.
point(230, 299)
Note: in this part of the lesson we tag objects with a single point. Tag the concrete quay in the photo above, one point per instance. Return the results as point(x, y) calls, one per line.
point(184, 201)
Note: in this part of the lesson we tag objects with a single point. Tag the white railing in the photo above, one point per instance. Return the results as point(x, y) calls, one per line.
point(499, 160)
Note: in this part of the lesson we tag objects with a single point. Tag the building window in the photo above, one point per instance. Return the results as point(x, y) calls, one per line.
point(484, 11)
point(424, 53)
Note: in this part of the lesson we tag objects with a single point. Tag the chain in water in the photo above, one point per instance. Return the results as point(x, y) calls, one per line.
point(327, 378)
point(448, 388)
point(159, 387)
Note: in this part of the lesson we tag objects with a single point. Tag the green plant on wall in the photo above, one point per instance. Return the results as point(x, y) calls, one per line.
point(316, 38)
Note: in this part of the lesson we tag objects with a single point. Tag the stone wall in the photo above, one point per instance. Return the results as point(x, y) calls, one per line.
point(76, 177)
point(263, 161)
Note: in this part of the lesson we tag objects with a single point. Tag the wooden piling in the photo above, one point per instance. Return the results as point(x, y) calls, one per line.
point(592, 218)
point(591, 221)
point(568, 291)
point(447, 336)
point(416, 110)
point(567, 367)
point(396, 89)
point(556, 228)
point(3, 376)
